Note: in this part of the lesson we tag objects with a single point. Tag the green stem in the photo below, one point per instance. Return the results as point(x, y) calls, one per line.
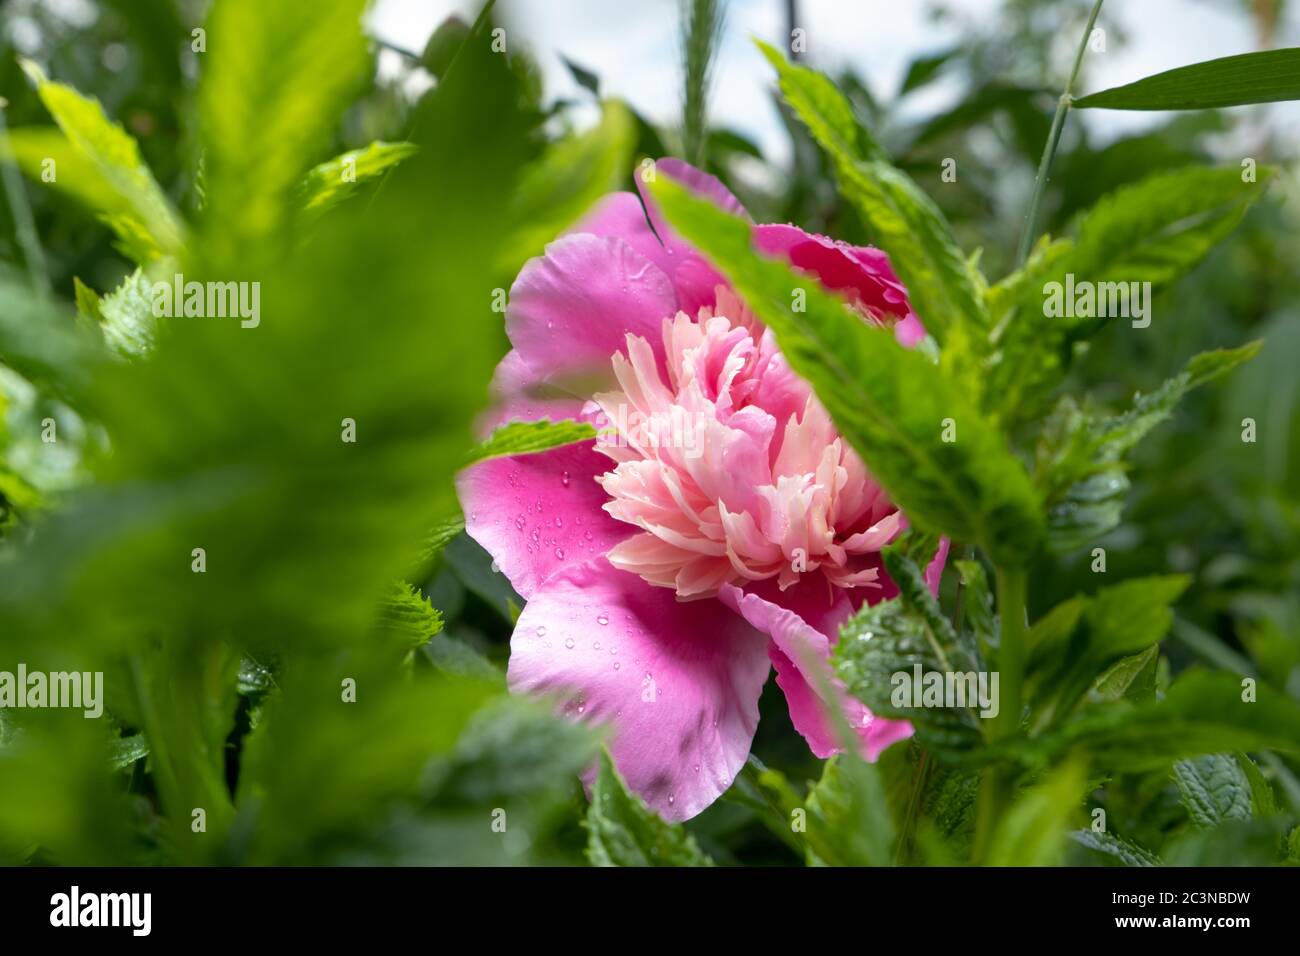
point(998, 785)
point(1053, 140)
point(24, 224)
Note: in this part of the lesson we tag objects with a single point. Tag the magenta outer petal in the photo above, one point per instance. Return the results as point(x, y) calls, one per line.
point(536, 514)
point(803, 627)
point(934, 570)
point(571, 309)
point(678, 682)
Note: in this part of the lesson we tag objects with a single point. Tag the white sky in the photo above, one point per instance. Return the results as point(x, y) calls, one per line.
point(632, 46)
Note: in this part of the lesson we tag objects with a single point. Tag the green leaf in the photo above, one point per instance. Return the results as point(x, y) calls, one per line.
point(88, 303)
point(1131, 677)
point(407, 616)
point(1034, 830)
point(622, 831)
point(570, 176)
point(977, 604)
point(444, 43)
point(1213, 788)
point(1115, 848)
point(1116, 622)
point(1263, 803)
point(76, 175)
point(905, 222)
point(848, 816)
point(42, 342)
point(125, 751)
point(1079, 457)
point(584, 77)
point(890, 402)
point(1202, 713)
point(333, 181)
point(128, 322)
point(512, 750)
point(276, 79)
point(117, 158)
point(526, 438)
point(880, 647)
point(1153, 231)
point(1265, 76)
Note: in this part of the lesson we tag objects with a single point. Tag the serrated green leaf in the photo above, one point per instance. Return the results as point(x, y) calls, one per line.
point(1115, 848)
point(622, 831)
point(75, 174)
point(1153, 231)
point(333, 181)
point(1263, 802)
point(890, 402)
point(1265, 76)
point(1079, 463)
point(407, 616)
point(1213, 788)
point(117, 159)
point(128, 322)
point(513, 749)
point(905, 221)
point(1116, 622)
point(882, 644)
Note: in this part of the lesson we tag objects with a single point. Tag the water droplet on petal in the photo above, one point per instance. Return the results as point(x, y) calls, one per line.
point(587, 535)
point(541, 630)
point(568, 642)
point(564, 479)
point(616, 665)
point(602, 619)
point(519, 522)
point(559, 522)
point(596, 646)
point(559, 553)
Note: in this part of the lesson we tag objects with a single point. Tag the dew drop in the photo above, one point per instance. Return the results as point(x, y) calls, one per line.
point(564, 479)
point(587, 535)
point(559, 522)
point(519, 522)
point(568, 642)
point(617, 665)
point(559, 553)
point(602, 619)
point(541, 630)
point(596, 646)
point(671, 799)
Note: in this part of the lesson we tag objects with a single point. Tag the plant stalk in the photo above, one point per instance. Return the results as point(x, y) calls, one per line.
point(998, 786)
point(1053, 140)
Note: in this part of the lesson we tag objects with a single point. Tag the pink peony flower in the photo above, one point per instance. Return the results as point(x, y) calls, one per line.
point(719, 526)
